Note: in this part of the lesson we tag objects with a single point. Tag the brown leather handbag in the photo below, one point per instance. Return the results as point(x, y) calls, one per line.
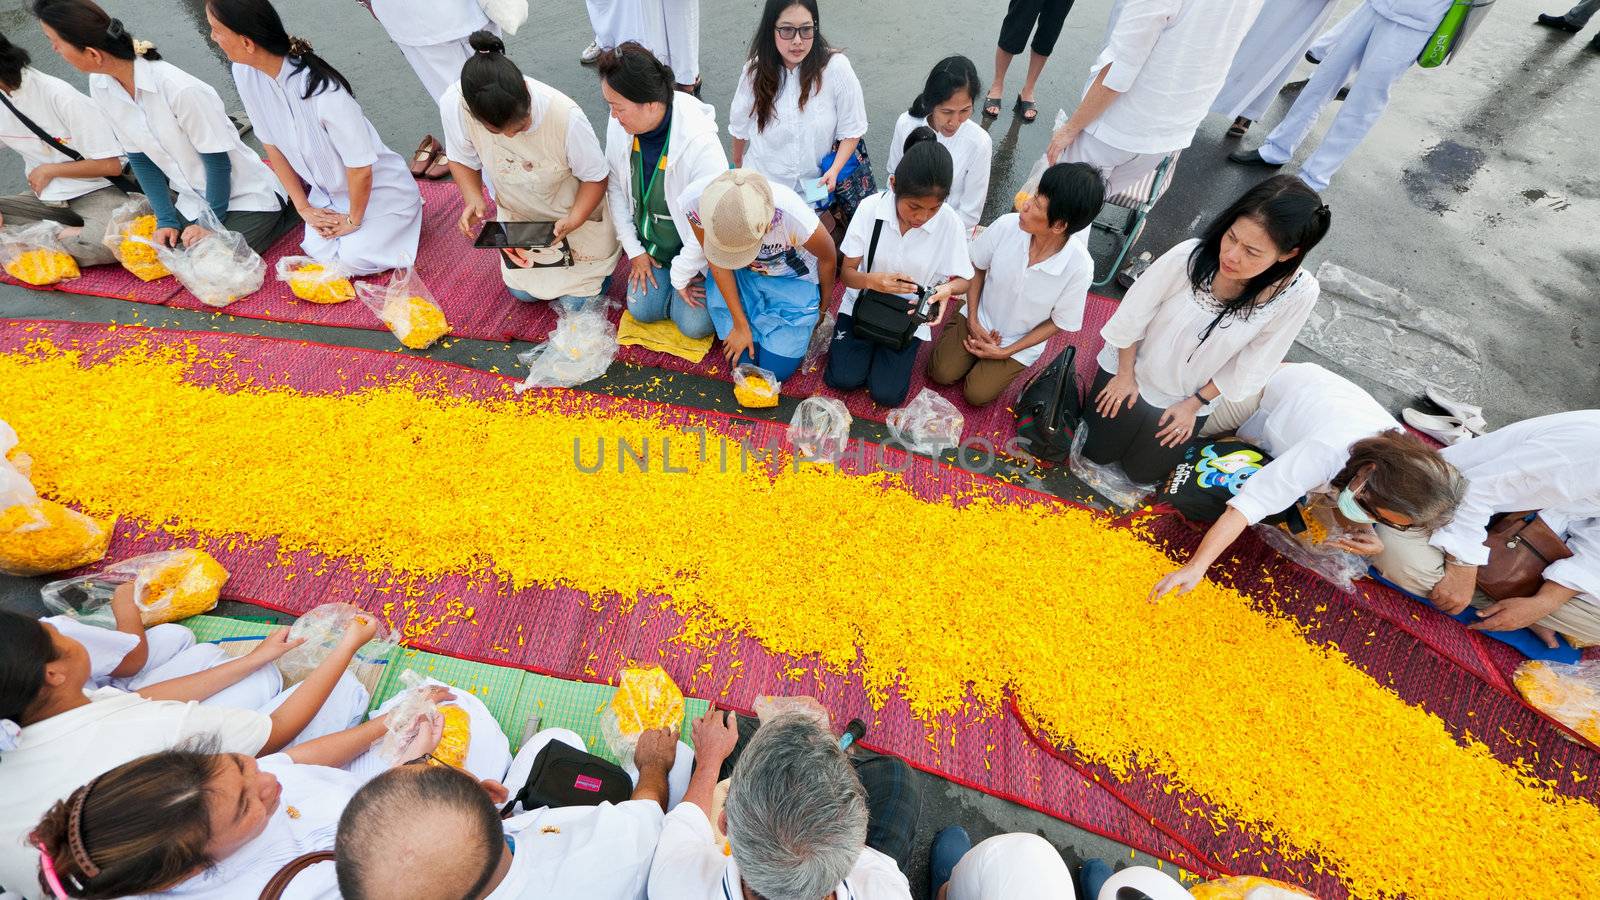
point(280, 882)
point(1520, 546)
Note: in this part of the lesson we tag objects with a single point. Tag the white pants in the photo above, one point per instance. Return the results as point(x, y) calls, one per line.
point(522, 764)
point(1122, 169)
point(1379, 52)
point(1272, 48)
point(438, 65)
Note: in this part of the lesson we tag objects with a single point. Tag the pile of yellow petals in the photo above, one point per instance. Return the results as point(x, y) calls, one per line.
point(646, 698)
point(957, 606)
point(456, 739)
point(187, 585)
point(139, 256)
point(44, 537)
point(1246, 887)
point(416, 321)
point(754, 392)
point(313, 283)
point(1568, 694)
point(40, 267)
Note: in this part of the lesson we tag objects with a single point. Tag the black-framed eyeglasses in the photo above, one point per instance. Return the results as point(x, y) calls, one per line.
point(790, 32)
point(1356, 488)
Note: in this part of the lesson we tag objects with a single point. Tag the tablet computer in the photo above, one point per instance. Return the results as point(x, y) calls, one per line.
point(522, 235)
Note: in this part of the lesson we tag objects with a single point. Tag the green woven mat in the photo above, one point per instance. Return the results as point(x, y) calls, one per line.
point(579, 706)
point(219, 628)
point(498, 687)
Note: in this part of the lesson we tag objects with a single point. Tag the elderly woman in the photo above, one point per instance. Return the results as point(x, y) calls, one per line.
point(802, 819)
point(1544, 465)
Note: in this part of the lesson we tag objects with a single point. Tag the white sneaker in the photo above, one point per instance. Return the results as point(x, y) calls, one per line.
point(1471, 416)
point(590, 53)
point(1447, 430)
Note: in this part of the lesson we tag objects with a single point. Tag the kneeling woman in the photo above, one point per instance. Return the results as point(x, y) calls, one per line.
point(545, 165)
point(173, 128)
point(901, 239)
point(768, 254)
point(362, 210)
point(1032, 281)
point(1326, 437)
point(1212, 317)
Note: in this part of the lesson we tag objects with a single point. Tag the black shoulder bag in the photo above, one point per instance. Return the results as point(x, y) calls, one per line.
point(566, 776)
point(1051, 408)
point(121, 182)
point(886, 319)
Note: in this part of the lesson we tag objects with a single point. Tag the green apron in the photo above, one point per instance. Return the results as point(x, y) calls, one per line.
point(652, 219)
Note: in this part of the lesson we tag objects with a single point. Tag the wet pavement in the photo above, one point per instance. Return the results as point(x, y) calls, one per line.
point(1476, 194)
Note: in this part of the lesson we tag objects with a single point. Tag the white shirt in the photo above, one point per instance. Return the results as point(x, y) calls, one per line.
point(1169, 60)
point(971, 151)
point(66, 115)
point(584, 156)
point(930, 255)
point(57, 756)
point(783, 253)
point(582, 852)
point(1307, 421)
point(1548, 464)
point(174, 117)
point(1010, 867)
point(107, 647)
point(1162, 313)
point(318, 796)
point(1423, 15)
point(690, 865)
point(419, 23)
point(789, 150)
point(1017, 297)
point(693, 153)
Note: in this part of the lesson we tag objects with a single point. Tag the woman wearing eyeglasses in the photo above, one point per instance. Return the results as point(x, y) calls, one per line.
point(798, 102)
point(1327, 437)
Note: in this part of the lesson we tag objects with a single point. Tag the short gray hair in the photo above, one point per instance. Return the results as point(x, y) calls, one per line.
point(797, 813)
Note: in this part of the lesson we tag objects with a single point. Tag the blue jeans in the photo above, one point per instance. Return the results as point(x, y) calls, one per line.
point(652, 304)
point(854, 363)
point(569, 302)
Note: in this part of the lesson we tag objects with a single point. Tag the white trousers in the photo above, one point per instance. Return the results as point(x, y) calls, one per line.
point(1379, 52)
point(1272, 48)
point(438, 65)
point(1122, 169)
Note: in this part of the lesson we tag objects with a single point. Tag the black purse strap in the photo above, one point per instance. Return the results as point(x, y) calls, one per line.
point(120, 182)
point(872, 248)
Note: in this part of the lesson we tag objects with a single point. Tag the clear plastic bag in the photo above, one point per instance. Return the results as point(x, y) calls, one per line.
point(508, 14)
point(315, 282)
point(1030, 184)
point(220, 268)
point(33, 254)
point(820, 429)
point(39, 536)
point(1108, 481)
point(929, 424)
point(1570, 694)
point(755, 387)
point(580, 349)
point(408, 718)
point(646, 698)
point(1248, 887)
point(821, 338)
point(323, 629)
point(407, 308)
point(1338, 567)
point(128, 237)
point(168, 585)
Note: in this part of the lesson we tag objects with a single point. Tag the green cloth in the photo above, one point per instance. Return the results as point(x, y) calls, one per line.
point(652, 218)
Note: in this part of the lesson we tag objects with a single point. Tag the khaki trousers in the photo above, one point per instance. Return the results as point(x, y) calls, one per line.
point(986, 379)
point(92, 212)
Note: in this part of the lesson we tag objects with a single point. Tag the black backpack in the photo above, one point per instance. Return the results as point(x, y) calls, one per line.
point(1050, 408)
point(1212, 472)
point(563, 775)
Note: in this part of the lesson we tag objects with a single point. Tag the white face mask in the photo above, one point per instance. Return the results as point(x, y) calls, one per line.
point(1353, 510)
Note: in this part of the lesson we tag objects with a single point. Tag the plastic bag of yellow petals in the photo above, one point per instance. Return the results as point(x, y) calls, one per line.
point(1247, 887)
point(217, 269)
point(129, 235)
point(315, 282)
point(755, 387)
point(1570, 694)
point(323, 628)
point(34, 255)
point(168, 585)
point(646, 698)
point(407, 308)
point(416, 712)
point(39, 536)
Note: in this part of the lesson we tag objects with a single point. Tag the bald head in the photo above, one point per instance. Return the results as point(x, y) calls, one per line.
point(421, 832)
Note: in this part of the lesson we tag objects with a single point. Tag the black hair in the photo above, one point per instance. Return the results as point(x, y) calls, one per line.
point(636, 74)
point(259, 21)
point(926, 169)
point(392, 808)
point(13, 60)
point(1296, 219)
point(83, 24)
point(1073, 193)
point(767, 65)
point(492, 85)
point(25, 649)
point(950, 76)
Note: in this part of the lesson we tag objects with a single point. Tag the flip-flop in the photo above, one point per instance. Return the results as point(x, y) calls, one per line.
point(1239, 127)
point(991, 106)
point(1027, 109)
point(423, 158)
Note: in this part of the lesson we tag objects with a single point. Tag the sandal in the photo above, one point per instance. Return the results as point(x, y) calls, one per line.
point(1027, 109)
point(423, 158)
point(439, 169)
point(1239, 127)
point(692, 90)
point(991, 107)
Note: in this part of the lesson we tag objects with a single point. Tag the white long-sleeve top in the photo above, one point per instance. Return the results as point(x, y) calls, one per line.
point(1168, 59)
point(971, 151)
point(1307, 421)
point(693, 152)
point(1547, 464)
point(1165, 316)
point(65, 114)
point(422, 23)
point(788, 151)
point(1423, 15)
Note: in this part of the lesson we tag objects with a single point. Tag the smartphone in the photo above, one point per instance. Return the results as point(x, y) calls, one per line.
point(522, 235)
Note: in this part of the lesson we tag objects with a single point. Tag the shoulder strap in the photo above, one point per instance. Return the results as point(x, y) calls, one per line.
point(872, 249)
point(40, 132)
point(280, 882)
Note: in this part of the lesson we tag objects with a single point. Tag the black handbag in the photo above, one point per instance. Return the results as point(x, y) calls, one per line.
point(563, 775)
point(1051, 408)
point(121, 182)
point(886, 319)
point(1212, 472)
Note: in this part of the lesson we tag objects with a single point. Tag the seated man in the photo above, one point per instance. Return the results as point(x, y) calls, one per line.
point(433, 833)
point(804, 821)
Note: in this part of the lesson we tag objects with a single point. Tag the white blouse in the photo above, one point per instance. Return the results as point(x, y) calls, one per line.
point(790, 149)
point(970, 150)
point(66, 115)
point(1166, 317)
point(929, 255)
point(1017, 297)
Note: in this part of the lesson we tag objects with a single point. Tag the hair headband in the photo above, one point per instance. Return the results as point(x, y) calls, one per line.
point(80, 854)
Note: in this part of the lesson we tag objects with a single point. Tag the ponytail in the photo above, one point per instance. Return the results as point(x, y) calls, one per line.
point(13, 60)
point(637, 74)
point(83, 24)
point(493, 87)
point(927, 169)
point(952, 75)
point(25, 649)
point(259, 21)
